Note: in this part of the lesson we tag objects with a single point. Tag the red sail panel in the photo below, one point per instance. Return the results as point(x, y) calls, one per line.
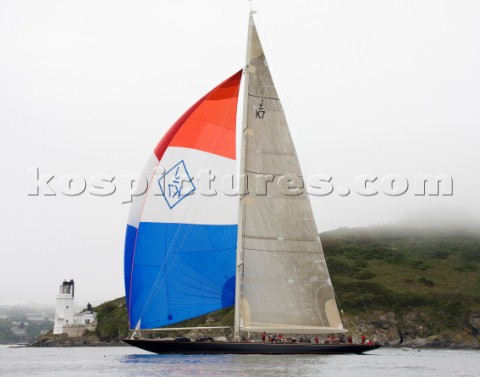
point(209, 125)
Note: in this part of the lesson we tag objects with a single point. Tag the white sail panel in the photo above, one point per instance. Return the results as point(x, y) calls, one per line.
point(284, 280)
point(138, 199)
point(200, 174)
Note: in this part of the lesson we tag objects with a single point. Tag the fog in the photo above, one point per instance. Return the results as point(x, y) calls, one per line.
point(379, 96)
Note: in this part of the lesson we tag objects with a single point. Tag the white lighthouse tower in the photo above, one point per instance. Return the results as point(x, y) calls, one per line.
point(65, 311)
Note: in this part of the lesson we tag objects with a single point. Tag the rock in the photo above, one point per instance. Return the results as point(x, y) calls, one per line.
point(474, 321)
point(413, 327)
point(377, 325)
point(62, 340)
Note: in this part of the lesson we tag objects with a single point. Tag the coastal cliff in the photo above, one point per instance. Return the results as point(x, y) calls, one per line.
point(395, 285)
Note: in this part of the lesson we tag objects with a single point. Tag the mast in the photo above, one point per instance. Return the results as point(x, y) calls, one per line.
point(243, 146)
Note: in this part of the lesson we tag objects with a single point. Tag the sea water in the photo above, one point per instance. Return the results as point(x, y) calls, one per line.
point(130, 361)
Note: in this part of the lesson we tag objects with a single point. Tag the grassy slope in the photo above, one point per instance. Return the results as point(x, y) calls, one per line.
point(397, 269)
point(112, 320)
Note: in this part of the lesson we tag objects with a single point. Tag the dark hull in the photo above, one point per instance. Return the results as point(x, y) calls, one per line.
point(172, 347)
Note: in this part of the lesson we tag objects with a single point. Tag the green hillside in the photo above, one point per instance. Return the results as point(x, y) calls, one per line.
point(112, 320)
point(394, 282)
point(395, 269)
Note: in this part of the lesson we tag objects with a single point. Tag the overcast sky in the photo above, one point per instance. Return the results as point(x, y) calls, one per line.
point(88, 88)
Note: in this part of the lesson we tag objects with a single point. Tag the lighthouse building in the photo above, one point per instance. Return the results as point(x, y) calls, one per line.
point(65, 310)
point(66, 321)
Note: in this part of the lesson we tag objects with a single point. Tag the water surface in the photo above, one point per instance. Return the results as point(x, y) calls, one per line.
point(130, 361)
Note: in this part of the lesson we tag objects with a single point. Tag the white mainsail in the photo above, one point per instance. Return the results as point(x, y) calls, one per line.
point(283, 283)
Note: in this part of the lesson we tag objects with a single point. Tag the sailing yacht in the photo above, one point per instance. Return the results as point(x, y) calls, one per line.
point(190, 250)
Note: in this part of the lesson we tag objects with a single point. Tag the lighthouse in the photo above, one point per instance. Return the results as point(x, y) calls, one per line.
point(65, 311)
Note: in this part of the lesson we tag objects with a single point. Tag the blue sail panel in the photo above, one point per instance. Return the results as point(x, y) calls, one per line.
point(183, 271)
point(130, 237)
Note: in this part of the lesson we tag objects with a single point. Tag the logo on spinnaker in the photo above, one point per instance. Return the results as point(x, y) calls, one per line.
point(176, 184)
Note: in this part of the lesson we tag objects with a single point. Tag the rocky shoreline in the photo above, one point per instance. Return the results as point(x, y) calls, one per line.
point(434, 342)
point(415, 328)
point(49, 340)
point(392, 329)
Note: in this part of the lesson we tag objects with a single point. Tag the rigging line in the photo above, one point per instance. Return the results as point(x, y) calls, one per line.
point(333, 222)
point(285, 95)
point(352, 274)
point(323, 199)
point(308, 161)
point(240, 257)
